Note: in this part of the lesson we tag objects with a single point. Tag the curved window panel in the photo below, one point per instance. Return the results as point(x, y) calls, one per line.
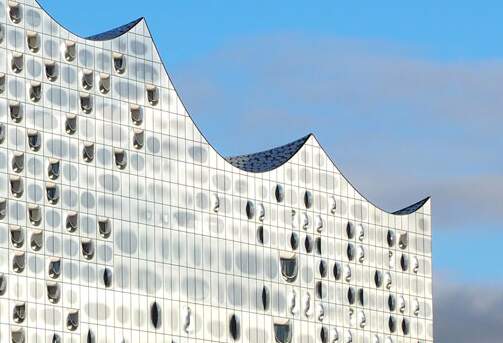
point(188, 321)
point(34, 140)
point(70, 50)
point(87, 79)
point(19, 313)
point(405, 326)
point(72, 221)
point(15, 12)
point(33, 40)
point(323, 335)
point(52, 192)
point(361, 297)
point(17, 62)
point(72, 320)
point(54, 268)
point(391, 238)
point(3, 208)
point(260, 234)
point(88, 152)
point(155, 315)
point(334, 335)
point(294, 241)
point(87, 249)
point(292, 302)
point(279, 193)
point(282, 331)
point(16, 111)
point(250, 210)
point(320, 290)
point(375, 339)
point(16, 186)
point(53, 169)
point(107, 277)
point(105, 227)
point(138, 138)
point(378, 278)
point(307, 304)
point(16, 236)
point(104, 83)
point(391, 260)
point(3, 284)
point(415, 265)
point(361, 254)
point(261, 212)
point(332, 205)
point(392, 324)
point(391, 303)
point(289, 267)
point(403, 241)
point(119, 62)
point(404, 262)
point(37, 240)
point(388, 340)
point(18, 162)
point(215, 203)
point(318, 223)
point(2, 81)
point(320, 312)
point(91, 338)
point(415, 307)
point(362, 319)
point(53, 292)
point(136, 114)
point(305, 221)
point(337, 271)
point(86, 103)
point(347, 273)
point(350, 230)
point(308, 199)
point(17, 335)
point(308, 244)
point(120, 158)
point(322, 268)
point(317, 244)
point(349, 337)
point(351, 252)
point(401, 304)
point(56, 338)
point(387, 280)
point(360, 232)
point(35, 91)
point(51, 71)
point(71, 123)
point(351, 295)
point(152, 95)
point(234, 327)
point(3, 133)
point(265, 298)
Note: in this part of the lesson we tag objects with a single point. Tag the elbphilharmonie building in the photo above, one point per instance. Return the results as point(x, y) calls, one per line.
point(120, 223)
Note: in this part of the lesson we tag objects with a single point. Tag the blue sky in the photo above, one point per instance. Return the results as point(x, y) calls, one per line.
point(405, 97)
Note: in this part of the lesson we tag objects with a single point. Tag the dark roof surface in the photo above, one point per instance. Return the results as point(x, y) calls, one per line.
point(412, 208)
point(113, 33)
point(268, 160)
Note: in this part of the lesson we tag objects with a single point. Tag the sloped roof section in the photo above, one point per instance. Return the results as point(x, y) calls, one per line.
point(267, 160)
point(114, 33)
point(412, 208)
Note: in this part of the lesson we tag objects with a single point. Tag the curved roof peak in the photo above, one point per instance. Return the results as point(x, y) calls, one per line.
point(114, 33)
point(268, 160)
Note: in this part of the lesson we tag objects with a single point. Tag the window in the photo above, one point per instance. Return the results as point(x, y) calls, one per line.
point(350, 252)
point(234, 327)
point(71, 123)
point(335, 335)
point(289, 267)
point(18, 162)
point(261, 212)
point(322, 268)
point(87, 248)
point(87, 79)
point(279, 192)
point(2, 82)
point(120, 158)
point(362, 320)
point(292, 301)
point(105, 227)
point(15, 12)
point(72, 320)
point(37, 240)
point(320, 312)
point(91, 338)
point(119, 62)
point(34, 139)
point(332, 205)
point(3, 284)
point(53, 292)
point(16, 186)
point(187, 325)
point(51, 71)
point(375, 339)
point(138, 138)
point(404, 262)
point(52, 192)
point(282, 331)
point(387, 280)
point(155, 315)
point(260, 234)
point(361, 232)
point(323, 335)
point(308, 199)
point(361, 254)
point(152, 95)
point(56, 338)
point(107, 277)
point(104, 84)
point(337, 271)
point(307, 304)
point(16, 236)
point(70, 50)
point(319, 224)
point(378, 278)
point(17, 335)
point(294, 241)
point(3, 208)
point(415, 307)
point(392, 324)
point(136, 114)
point(72, 221)
point(305, 221)
point(347, 273)
point(88, 152)
point(415, 265)
point(215, 202)
point(361, 297)
point(350, 230)
point(250, 210)
point(17, 62)
point(54, 268)
point(86, 103)
point(18, 262)
point(320, 290)
point(266, 298)
point(403, 242)
point(351, 295)
point(405, 326)
point(19, 313)
point(391, 302)
point(35, 91)
point(53, 169)
point(391, 238)
point(317, 243)
point(308, 244)
point(33, 40)
point(3, 132)
point(15, 111)
point(401, 304)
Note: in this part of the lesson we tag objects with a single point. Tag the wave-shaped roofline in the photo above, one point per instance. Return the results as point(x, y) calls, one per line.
point(259, 162)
